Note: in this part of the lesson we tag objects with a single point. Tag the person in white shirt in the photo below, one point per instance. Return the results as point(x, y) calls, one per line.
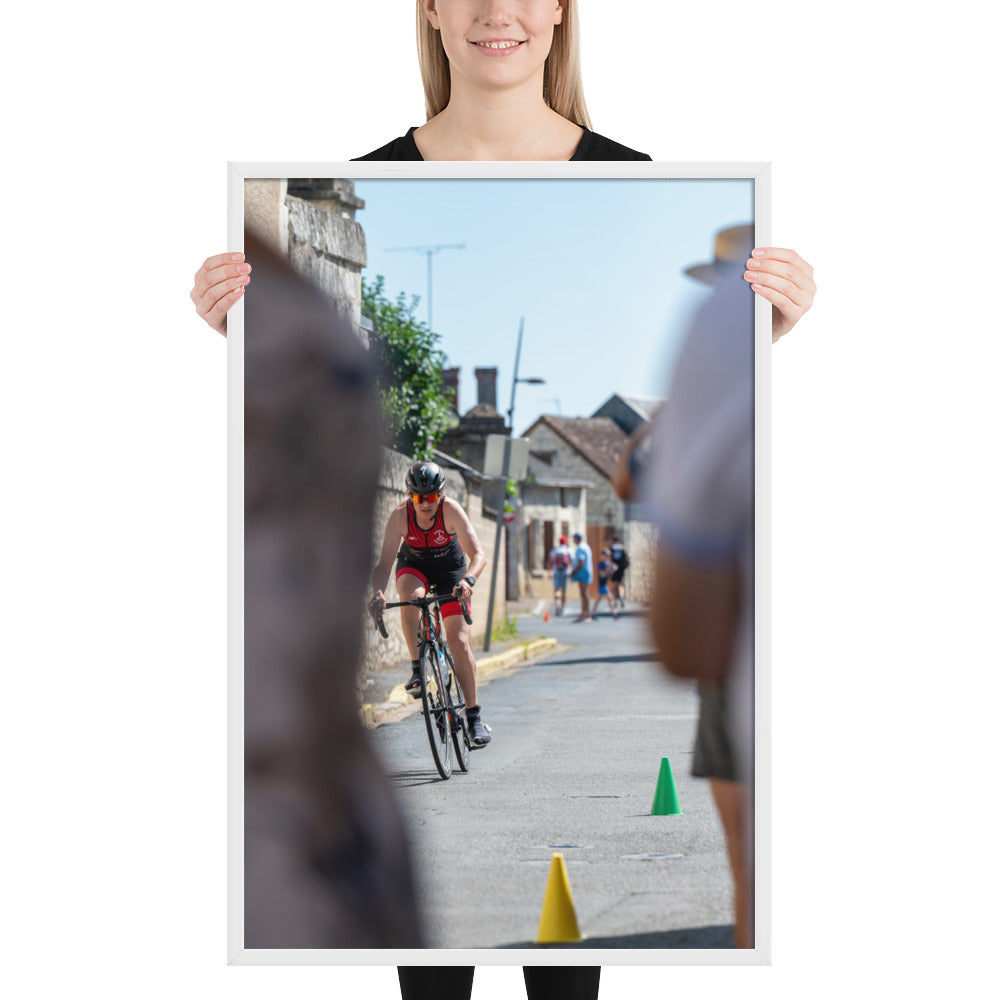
point(700, 490)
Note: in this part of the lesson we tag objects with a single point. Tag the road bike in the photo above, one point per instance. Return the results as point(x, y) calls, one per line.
point(444, 709)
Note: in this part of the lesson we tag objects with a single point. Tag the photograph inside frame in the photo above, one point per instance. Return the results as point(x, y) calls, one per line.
point(498, 564)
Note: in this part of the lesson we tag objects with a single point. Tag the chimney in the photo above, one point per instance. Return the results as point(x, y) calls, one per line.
point(450, 378)
point(486, 379)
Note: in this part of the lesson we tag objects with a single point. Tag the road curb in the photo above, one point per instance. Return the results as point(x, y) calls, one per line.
point(524, 651)
point(399, 704)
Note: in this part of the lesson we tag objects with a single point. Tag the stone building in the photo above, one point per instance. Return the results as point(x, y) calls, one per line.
point(552, 504)
point(586, 449)
point(568, 486)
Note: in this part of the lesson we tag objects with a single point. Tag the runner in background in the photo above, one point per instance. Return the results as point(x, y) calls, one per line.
point(560, 560)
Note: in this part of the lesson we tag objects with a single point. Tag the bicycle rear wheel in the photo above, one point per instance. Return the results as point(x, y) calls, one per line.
point(436, 716)
point(459, 729)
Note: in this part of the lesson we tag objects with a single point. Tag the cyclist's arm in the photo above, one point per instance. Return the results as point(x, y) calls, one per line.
point(395, 529)
point(456, 520)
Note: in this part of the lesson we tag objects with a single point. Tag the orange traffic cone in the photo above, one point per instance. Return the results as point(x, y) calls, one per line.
point(546, 614)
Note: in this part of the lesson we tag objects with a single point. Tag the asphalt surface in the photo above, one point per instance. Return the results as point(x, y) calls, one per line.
point(578, 738)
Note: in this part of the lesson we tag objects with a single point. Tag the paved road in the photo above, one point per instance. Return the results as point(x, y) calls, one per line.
point(577, 743)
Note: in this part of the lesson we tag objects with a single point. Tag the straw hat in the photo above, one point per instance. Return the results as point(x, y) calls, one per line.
point(732, 249)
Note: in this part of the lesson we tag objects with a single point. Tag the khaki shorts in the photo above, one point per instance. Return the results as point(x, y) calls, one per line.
point(713, 750)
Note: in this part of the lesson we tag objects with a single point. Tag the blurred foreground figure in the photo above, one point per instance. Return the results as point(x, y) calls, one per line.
point(327, 864)
point(700, 489)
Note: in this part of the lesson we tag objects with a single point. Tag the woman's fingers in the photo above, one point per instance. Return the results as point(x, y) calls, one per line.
point(781, 255)
point(218, 285)
point(785, 280)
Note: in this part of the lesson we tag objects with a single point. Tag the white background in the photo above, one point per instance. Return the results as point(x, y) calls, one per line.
point(119, 121)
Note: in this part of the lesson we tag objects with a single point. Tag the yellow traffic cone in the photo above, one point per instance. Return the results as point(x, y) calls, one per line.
point(558, 923)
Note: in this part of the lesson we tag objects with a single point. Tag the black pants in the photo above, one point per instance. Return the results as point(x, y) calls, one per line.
point(543, 982)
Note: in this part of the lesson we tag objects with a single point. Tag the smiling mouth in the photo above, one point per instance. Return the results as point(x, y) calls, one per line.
point(499, 44)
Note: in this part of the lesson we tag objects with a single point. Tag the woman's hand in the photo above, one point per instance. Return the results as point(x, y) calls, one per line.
point(218, 285)
point(786, 281)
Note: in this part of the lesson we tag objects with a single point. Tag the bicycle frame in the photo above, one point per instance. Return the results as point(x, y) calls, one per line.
point(443, 714)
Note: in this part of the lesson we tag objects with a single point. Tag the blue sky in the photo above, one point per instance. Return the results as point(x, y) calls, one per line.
point(595, 268)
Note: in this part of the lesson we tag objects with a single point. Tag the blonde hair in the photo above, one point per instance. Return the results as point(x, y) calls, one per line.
point(563, 87)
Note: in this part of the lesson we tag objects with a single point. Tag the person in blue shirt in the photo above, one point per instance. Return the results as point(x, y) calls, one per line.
point(583, 574)
point(605, 571)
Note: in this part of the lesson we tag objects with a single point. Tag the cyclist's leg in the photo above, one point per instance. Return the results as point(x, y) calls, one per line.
point(457, 634)
point(568, 982)
point(410, 585)
point(435, 982)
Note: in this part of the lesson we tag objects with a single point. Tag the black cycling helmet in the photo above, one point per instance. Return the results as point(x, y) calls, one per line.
point(424, 477)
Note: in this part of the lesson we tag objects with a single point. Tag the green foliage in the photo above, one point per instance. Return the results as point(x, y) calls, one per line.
point(508, 505)
point(507, 629)
point(415, 404)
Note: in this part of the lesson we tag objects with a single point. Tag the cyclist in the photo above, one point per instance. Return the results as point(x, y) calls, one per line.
point(436, 536)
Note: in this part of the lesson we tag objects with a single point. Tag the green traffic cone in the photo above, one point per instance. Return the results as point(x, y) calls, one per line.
point(665, 800)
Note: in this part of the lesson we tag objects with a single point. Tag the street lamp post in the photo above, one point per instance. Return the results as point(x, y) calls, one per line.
point(505, 472)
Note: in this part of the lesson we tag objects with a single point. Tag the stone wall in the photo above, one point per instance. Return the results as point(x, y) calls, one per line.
point(381, 652)
point(312, 222)
point(639, 539)
point(329, 250)
point(264, 211)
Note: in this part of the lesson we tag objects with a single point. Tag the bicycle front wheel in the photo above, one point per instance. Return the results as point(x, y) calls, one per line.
point(436, 716)
point(459, 730)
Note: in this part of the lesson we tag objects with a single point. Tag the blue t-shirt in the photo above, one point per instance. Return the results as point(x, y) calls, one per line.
point(586, 573)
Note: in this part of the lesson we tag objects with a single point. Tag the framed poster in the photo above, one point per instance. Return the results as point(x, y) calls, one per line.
point(578, 834)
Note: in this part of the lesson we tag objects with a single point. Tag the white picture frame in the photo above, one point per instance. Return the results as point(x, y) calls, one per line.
point(760, 174)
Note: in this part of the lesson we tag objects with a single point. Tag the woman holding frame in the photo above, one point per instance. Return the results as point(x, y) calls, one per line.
point(502, 81)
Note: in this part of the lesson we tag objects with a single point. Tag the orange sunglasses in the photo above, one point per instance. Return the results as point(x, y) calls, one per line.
point(425, 497)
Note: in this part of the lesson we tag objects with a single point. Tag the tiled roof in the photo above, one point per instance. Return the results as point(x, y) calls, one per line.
point(597, 439)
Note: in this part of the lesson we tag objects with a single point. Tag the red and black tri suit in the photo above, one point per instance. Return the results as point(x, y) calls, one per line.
point(433, 556)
